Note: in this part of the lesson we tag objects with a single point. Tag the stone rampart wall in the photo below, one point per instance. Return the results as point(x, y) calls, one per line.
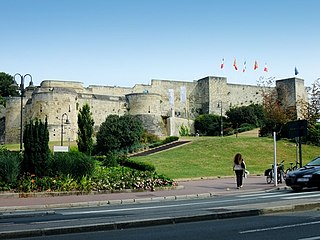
point(161, 105)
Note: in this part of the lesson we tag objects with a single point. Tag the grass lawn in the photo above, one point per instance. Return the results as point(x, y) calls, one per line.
point(213, 156)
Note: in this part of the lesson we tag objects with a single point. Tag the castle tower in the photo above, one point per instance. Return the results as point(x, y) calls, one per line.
point(147, 107)
point(294, 91)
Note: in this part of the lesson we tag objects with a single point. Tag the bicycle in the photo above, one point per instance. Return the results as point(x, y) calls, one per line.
point(292, 168)
point(269, 173)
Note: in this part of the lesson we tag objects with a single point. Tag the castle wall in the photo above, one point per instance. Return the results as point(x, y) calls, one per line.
point(102, 106)
point(174, 95)
point(162, 106)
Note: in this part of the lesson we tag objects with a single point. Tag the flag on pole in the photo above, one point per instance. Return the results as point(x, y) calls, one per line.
point(296, 72)
point(244, 66)
point(255, 65)
point(222, 63)
point(265, 67)
point(235, 65)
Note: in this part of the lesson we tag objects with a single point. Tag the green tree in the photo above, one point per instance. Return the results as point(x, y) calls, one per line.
point(7, 87)
point(252, 114)
point(277, 111)
point(208, 124)
point(36, 148)
point(85, 130)
point(119, 134)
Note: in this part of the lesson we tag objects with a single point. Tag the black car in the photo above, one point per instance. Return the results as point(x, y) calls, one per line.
point(307, 176)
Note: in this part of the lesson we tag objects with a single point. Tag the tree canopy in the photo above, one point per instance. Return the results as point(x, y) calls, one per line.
point(85, 130)
point(119, 134)
point(7, 87)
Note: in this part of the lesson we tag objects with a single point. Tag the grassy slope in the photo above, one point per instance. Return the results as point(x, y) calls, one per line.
point(213, 156)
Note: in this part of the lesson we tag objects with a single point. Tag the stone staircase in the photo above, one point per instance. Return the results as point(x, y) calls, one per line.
point(160, 148)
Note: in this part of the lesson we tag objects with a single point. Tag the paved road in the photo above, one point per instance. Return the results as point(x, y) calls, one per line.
point(202, 200)
point(196, 188)
point(296, 225)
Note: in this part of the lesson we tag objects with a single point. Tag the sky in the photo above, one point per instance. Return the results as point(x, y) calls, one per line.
point(128, 42)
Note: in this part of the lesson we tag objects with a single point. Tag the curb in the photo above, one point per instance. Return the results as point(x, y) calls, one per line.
point(159, 221)
point(7, 212)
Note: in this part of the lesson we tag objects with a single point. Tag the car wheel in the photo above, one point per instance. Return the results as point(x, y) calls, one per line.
point(296, 189)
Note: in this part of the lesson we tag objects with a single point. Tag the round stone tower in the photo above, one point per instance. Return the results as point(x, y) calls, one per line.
point(147, 107)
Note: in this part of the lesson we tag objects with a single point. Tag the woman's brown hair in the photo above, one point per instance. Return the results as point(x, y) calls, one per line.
point(237, 158)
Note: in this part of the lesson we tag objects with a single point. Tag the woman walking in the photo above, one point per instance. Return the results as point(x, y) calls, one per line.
point(239, 167)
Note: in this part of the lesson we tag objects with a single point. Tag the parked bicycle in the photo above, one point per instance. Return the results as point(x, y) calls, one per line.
point(269, 173)
point(292, 168)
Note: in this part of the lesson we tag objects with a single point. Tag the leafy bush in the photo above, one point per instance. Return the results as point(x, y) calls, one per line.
point(119, 134)
point(314, 135)
point(125, 178)
point(32, 183)
point(252, 114)
point(170, 139)
point(148, 138)
point(139, 165)
point(108, 160)
point(9, 165)
point(76, 164)
point(36, 154)
point(184, 130)
point(246, 127)
point(208, 124)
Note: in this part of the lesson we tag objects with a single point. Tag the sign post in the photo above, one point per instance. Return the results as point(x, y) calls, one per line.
point(275, 177)
point(298, 129)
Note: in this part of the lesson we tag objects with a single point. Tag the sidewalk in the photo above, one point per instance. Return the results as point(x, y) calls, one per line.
point(196, 188)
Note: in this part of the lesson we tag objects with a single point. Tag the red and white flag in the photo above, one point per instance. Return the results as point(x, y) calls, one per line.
point(255, 67)
point(222, 64)
point(265, 68)
point(235, 65)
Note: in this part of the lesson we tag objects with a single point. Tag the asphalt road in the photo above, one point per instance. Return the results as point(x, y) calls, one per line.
point(57, 221)
point(296, 225)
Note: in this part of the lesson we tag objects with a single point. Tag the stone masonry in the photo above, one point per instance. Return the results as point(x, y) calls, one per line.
point(163, 106)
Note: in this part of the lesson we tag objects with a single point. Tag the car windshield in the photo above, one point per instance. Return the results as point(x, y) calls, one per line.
point(314, 162)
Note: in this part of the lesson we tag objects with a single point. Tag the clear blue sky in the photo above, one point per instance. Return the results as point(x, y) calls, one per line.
point(124, 42)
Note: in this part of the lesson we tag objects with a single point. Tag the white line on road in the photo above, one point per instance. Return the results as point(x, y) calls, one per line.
point(279, 227)
point(297, 197)
point(310, 238)
point(254, 197)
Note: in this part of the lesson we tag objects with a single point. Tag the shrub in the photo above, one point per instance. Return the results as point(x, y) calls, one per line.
point(170, 139)
point(208, 124)
point(108, 160)
point(314, 135)
point(119, 134)
point(246, 127)
point(36, 153)
point(138, 165)
point(9, 165)
point(76, 164)
point(184, 130)
point(148, 137)
point(125, 178)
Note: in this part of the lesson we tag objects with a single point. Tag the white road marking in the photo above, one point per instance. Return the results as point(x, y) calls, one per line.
point(310, 238)
point(297, 197)
point(279, 227)
point(251, 197)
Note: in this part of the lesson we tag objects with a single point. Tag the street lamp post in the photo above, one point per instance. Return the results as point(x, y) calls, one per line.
point(67, 122)
point(221, 120)
point(22, 91)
